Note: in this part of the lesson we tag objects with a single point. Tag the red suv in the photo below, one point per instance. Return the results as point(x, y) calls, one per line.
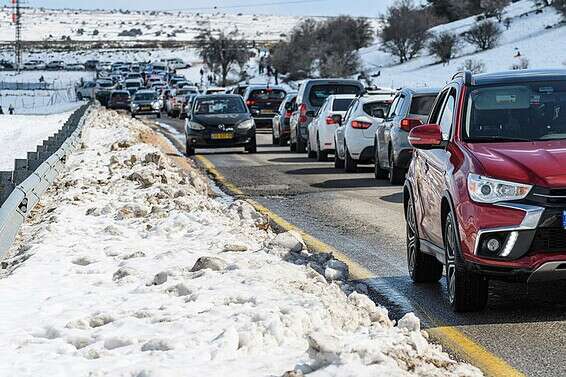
point(485, 194)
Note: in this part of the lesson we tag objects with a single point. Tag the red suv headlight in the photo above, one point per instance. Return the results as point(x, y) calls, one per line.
point(490, 190)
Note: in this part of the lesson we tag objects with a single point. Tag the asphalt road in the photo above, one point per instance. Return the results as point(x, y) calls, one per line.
point(363, 217)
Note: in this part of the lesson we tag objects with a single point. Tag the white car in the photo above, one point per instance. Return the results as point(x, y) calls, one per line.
point(321, 130)
point(354, 138)
point(75, 67)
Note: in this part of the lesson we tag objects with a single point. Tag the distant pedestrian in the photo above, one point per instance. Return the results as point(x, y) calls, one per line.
point(276, 75)
point(42, 79)
point(261, 65)
point(517, 53)
point(11, 110)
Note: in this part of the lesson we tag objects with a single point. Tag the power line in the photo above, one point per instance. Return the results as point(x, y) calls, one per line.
point(249, 5)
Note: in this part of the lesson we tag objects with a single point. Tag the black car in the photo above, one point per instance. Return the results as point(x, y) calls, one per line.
point(263, 102)
point(119, 99)
point(220, 121)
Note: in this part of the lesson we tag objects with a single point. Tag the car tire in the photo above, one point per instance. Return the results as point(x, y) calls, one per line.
point(274, 140)
point(158, 115)
point(282, 141)
point(338, 162)
point(396, 174)
point(252, 146)
point(350, 165)
point(423, 268)
point(301, 148)
point(321, 156)
point(133, 115)
point(189, 151)
point(378, 172)
point(310, 152)
point(467, 291)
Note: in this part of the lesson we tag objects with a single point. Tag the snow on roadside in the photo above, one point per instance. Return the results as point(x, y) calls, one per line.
point(130, 267)
point(20, 134)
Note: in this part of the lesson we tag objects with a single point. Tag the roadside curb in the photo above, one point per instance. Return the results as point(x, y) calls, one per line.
point(449, 337)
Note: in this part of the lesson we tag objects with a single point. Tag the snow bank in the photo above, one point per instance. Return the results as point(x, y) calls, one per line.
point(20, 134)
point(129, 267)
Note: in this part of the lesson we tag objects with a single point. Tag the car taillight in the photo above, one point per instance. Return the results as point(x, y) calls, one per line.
point(250, 102)
point(408, 124)
point(330, 121)
point(360, 125)
point(288, 114)
point(303, 113)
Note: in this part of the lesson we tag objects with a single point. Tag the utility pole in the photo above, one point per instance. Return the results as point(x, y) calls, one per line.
point(17, 20)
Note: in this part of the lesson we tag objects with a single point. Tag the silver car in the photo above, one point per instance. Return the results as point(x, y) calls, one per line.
point(393, 153)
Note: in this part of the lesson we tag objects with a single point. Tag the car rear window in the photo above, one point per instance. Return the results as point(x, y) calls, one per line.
point(133, 84)
point(120, 95)
point(341, 104)
point(371, 108)
point(319, 93)
point(267, 94)
point(145, 96)
point(422, 105)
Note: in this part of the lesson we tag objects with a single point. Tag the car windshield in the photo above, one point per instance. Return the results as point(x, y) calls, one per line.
point(105, 84)
point(267, 94)
point(220, 106)
point(145, 96)
point(517, 112)
point(133, 84)
point(422, 105)
point(319, 93)
point(342, 104)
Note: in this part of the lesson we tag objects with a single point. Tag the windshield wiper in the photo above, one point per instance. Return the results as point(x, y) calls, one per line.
point(495, 139)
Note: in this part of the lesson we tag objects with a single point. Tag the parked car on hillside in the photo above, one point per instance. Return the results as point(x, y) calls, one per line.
point(75, 67)
point(220, 121)
point(145, 102)
point(55, 65)
point(392, 151)
point(263, 102)
point(485, 194)
point(91, 64)
point(119, 99)
point(86, 90)
point(310, 98)
point(328, 118)
point(354, 137)
point(280, 125)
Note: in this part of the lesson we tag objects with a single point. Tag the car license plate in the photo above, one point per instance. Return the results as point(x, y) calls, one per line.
point(267, 112)
point(564, 219)
point(146, 107)
point(222, 136)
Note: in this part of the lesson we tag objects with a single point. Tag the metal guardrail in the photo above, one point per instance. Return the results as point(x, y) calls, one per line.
point(21, 189)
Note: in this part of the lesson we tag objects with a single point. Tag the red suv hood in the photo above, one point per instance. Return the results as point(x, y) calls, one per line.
point(540, 163)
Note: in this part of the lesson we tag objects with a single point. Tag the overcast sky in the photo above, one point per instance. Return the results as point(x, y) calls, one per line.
point(369, 8)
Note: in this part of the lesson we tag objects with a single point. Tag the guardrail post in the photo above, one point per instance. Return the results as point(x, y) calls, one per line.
point(42, 153)
point(33, 161)
point(6, 185)
point(21, 171)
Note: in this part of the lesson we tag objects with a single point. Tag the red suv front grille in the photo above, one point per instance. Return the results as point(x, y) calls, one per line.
point(549, 240)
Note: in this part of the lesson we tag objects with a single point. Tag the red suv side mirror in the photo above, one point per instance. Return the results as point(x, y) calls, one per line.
point(428, 136)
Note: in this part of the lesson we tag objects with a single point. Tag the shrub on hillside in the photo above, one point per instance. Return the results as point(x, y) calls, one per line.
point(560, 5)
point(130, 33)
point(484, 35)
point(444, 46)
point(405, 30)
point(494, 8)
point(475, 66)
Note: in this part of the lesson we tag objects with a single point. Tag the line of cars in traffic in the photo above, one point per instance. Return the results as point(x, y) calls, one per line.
point(88, 65)
point(482, 162)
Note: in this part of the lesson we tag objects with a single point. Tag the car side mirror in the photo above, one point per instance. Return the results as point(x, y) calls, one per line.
point(428, 136)
point(379, 113)
point(337, 118)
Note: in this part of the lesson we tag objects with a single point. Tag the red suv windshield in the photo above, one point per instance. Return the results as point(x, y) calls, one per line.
point(516, 112)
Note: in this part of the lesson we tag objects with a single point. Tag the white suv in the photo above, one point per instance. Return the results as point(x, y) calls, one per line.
point(354, 138)
point(321, 129)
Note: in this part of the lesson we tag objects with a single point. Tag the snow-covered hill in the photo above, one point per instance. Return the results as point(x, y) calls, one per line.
point(45, 24)
point(538, 36)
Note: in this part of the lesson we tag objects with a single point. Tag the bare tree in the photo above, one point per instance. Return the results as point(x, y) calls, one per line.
point(444, 46)
point(405, 30)
point(560, 5)
point(484, 35)
point(494, 8)
point(221, 52)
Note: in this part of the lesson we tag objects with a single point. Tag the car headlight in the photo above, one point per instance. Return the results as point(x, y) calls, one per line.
point(246, 124)
point(195, 126)
point(155, 105)
point(135, 105)
point(489, 190)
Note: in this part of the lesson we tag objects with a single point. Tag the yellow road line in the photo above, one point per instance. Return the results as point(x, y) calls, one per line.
point(450, 337)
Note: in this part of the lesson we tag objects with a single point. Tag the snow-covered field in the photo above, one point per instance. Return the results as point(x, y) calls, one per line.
point(132, 266)
point(20, 134)
point(527, 33)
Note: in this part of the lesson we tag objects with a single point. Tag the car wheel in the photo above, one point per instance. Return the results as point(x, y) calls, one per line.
point(282, 141)
point(378, 172)
point(423, 268)
point(252, 146)
point(310, 152)
point(301, 147)
point(274, 140)
point(338, 162)
point(189, 151)
point(350, 165)
point(467, 291)
point(396, 174)
point(133, 115)
point(321, 156)
point(158, 115)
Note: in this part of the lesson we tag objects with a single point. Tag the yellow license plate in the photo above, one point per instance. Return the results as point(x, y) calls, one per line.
point(266, 112)
point(222, 136)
